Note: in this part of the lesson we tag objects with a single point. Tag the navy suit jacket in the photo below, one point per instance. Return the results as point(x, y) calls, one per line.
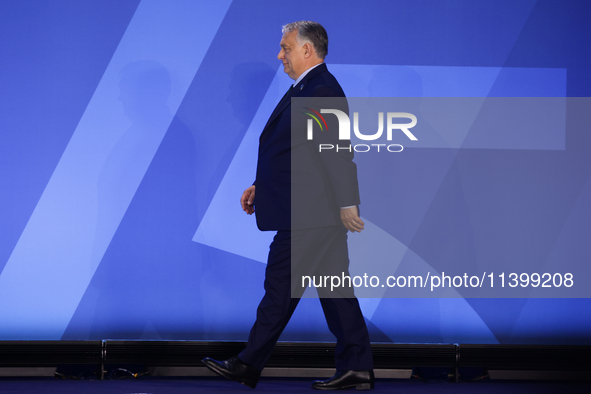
point(320, 183)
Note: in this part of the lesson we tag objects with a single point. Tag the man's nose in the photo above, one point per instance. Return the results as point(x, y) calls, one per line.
point(280, 55)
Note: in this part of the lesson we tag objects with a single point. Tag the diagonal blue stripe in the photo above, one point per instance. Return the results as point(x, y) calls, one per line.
point(103, 164)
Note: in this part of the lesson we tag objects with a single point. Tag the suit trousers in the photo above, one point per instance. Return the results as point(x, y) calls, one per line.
point(317, 251)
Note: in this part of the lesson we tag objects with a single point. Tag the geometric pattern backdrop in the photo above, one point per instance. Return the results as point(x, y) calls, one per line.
point(129, 131)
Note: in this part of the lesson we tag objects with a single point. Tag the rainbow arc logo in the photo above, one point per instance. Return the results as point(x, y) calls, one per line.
point(315, 117)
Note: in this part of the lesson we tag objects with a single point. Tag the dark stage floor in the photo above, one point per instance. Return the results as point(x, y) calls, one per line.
point(210, 385)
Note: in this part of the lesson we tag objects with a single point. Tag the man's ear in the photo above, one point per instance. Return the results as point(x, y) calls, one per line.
point(308, 50)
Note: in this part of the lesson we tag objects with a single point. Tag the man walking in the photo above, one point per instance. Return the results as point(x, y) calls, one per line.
point(329, 184)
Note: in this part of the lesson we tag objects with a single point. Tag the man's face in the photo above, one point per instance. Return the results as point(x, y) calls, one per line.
point(292, 55)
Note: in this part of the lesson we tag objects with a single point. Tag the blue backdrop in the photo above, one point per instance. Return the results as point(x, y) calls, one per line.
point(129, 132)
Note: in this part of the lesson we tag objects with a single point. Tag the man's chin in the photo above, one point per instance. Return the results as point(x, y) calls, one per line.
point(290, 74)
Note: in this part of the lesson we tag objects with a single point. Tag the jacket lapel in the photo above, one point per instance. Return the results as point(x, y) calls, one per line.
point(285, 103)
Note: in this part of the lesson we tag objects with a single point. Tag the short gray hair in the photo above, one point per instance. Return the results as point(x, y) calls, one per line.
point(309, 32)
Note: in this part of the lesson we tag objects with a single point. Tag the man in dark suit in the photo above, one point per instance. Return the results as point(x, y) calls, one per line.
point(310, 199)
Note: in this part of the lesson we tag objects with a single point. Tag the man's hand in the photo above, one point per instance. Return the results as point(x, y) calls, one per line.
point(351, 219)
point(247, 200)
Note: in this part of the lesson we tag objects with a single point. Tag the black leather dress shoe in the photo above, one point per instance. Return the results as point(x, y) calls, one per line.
point(234, 369)
point(343, 380)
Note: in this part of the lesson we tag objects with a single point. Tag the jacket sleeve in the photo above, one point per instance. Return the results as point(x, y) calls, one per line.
point(338, 162)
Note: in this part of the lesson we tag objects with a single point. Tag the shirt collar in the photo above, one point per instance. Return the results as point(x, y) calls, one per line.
point(304, 74)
